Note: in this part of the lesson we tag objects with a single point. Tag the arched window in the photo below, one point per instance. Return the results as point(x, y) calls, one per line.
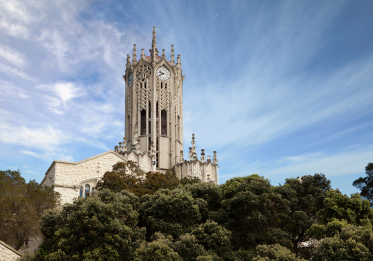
point(81, 192)
point(86, 192)
point(164, 123)
point(143, 122)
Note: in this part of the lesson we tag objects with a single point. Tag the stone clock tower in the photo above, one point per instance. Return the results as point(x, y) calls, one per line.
point(154, 105)
point(153, 131)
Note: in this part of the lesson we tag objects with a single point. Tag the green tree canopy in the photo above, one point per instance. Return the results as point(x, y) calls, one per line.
point(21, 207)
point(99, 227)
point(366, 184)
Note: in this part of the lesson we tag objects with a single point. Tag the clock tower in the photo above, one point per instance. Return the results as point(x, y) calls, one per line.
point(154, 106)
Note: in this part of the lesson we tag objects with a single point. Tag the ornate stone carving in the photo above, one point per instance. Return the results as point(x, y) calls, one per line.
point(145, 163)
point(197, 173)
point(163, 90)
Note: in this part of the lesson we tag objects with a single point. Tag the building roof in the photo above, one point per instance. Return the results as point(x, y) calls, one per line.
point(10, 248)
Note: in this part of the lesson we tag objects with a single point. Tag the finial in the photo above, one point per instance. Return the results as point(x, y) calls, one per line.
point(142, 53)
point(208, 159)
point(128, 60)
point(116, 148)
point(193, 149)
point(203, 155)
point(124, 146)
point(154, 38)
point(178, 60)
point(215, 160)
point(181, 156)
point(154, 51)
point(190, 153)
point(163, 55)
point(172, 55)
point(134, 60)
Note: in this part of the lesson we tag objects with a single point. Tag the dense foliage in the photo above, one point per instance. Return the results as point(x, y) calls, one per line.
point(128, 176)
point(244, 219)
point(366, 184)
point(21, 206)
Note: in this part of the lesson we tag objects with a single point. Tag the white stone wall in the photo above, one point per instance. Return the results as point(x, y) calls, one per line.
point(205, 171)
point(8, 253)
point(67, 177)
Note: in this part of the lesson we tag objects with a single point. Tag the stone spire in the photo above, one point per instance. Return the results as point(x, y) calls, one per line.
point(163, 55)
point(128, 60)
point(203, 156)
point(215, 160)
point(178, 61)
point(134, 58)
point(142, 53)
point(154, 51)
point(122, 146)
point(192, 151)
point(172, 55)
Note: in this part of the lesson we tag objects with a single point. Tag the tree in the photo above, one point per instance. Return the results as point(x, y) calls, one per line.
point(157, 250)
point(21, 207)
point(252, 210)
point(353, 209)
point(128, 176)
point(275, 252)
point(366, 184)
point(171, 212)
point(351, 243)
point(306, 196)
point(99, 227)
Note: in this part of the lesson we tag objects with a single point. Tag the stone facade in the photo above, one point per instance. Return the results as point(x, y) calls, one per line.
point(154, 105)
point(204, 169)
point(8, 253)
point(68, 178)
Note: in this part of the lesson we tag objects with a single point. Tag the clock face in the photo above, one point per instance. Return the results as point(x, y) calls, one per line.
point(163, 73)
point(130, 79)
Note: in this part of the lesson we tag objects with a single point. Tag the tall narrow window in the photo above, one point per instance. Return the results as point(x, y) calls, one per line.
point(157, 127)
point(156, 110)
point(157, 159)
point(164, 123)
point(157, 145)
point(149, 141)
point(150, 110)
point(81, 192)
point(86, 192)
point(149, 127)
point(143, 122)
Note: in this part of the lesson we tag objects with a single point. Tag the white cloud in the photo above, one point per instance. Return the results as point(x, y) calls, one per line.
point(14, 72)
point(12, 56)
point(48, 157)
point(45, 139)
point(65, 91)
point(8, 90)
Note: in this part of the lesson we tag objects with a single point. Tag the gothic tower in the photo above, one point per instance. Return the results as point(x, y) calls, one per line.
point(154, 105)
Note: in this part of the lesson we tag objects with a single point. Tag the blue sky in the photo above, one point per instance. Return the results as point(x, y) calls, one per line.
point(278, 88)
